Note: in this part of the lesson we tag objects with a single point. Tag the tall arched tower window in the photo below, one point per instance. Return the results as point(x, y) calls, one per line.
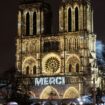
point(69, 20)
point(27, 24)
point(34, 70)
point(76, 19)
point(34, 23)
point(47, 22)
point(27, 70)
point(70, 67)
point(77, 67)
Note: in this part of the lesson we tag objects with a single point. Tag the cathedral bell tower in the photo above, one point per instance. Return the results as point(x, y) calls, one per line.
point(76, 16)
point(34, 21)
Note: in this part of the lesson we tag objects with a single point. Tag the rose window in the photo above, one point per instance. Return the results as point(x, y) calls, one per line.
point(52, 64)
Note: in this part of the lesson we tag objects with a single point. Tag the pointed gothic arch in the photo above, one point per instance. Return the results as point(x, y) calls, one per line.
point(34, 23)
point(27, 23)
point(28, 61)
point(69, 20)
point(76, 19)
point(49, 93)
point(71, 93)
point(73, 63)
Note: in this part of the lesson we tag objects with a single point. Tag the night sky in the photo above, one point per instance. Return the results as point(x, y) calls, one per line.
point(8, 28)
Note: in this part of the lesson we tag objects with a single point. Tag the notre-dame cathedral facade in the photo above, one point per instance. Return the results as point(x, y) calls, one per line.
point(61, 65)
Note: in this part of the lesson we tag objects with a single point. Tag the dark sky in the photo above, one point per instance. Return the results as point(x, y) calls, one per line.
point(8, 28)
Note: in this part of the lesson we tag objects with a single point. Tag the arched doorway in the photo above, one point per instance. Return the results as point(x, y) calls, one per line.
point(49, 93)
point(71, 93)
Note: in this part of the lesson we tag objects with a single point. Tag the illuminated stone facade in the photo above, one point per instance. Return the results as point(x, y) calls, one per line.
point(70, 53)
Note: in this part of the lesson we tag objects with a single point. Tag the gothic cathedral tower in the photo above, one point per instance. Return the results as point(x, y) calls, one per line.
point(60, 63)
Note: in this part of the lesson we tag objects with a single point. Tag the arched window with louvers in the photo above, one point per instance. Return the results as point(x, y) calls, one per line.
point(69, 20)
point(34, 23)
point(76, 19)
point(27, 24)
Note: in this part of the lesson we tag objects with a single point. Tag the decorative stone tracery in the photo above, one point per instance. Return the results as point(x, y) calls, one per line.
point(49, 93)
point(51, 64)
point(71, 93)
point(30, 63)
point(73, 63)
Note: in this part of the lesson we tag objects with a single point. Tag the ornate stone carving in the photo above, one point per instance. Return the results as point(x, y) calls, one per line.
point(52, 64)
